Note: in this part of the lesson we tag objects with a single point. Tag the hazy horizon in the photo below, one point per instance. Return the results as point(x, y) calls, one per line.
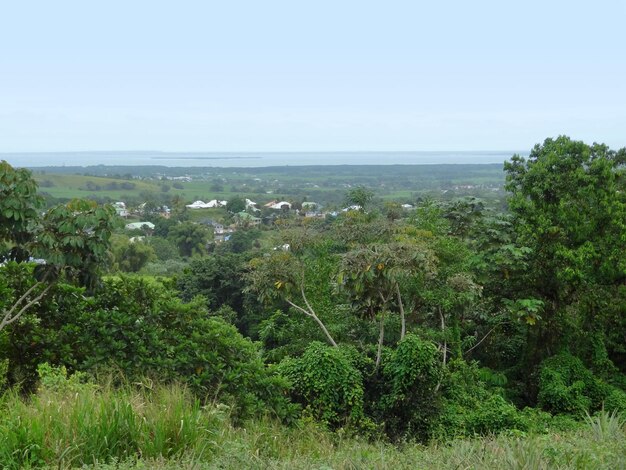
point(251, 159)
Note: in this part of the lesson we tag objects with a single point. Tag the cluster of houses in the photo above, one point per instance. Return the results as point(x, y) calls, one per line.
point(122, 211)
point(207, 205)
point(245, 218)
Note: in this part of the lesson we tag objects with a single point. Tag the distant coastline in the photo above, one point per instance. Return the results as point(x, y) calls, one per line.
point(253, 159)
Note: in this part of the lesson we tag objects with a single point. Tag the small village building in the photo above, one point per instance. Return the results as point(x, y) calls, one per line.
point(140, 226)
point(244, 219)
point(120, 209)
point(280, 205)
point(214, 203)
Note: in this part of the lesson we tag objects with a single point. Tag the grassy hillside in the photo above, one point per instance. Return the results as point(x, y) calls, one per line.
point(79, 186)
point(70, 425)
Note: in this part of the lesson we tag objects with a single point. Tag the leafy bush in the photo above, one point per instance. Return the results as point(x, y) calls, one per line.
point(567, 386)
point(615, 401)
point(4, 369)
point(327, 384)
point(410, 403)
point(163, 248)
point(217, 278)
point(139, 327)
point(57, 379)
point(472, 406)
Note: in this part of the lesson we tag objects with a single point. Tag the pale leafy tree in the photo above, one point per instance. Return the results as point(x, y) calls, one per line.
point(373, 276)
point(281, 275)
point(359, 196)
point(69, 241)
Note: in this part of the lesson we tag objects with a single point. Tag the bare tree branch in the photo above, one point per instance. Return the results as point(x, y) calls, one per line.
point(484, 337)
point(444, 347)
point(402, 317)
point(9, 318)
point(380, 338)
point(311, 313)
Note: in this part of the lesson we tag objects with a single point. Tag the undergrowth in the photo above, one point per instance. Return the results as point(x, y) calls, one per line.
point(70, 424)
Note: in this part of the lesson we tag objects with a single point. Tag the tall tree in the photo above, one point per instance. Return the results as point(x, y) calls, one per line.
point(191, 238)
point(569, 205)
point(69, 241)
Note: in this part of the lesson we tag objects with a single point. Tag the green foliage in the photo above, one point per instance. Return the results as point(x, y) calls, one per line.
point(606, 426)
point(372, 274)
point(70, 241)
point(615, 401)
point(410, 404)
point(473, 404)
point(190, 238)
point(235, 205)
point(165, 428)
point(359, 196)
point(242, 240)
point(19, 208)
point(163, 248)
point(169, 268)
point(570, 211)
point(504, 289)
point(218, 278)
point(327, 384)
point(140, 328)
point(66, 425)
point(75, 238)
point(4, 370)
point(57, 379)
point(133, 256)
point(567, 386)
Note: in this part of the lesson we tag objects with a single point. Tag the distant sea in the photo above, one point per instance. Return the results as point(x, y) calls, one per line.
point(253, 159)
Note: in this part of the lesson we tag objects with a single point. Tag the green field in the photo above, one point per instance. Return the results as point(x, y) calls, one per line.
point(324, 184)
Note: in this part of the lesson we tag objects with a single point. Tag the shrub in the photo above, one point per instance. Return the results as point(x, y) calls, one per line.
point(327, 384)
point(567, 386)
point(410, 403)
point(4, 369)
point(139, 327)
point(57, 379)
point(473, 404)
point(615, 401)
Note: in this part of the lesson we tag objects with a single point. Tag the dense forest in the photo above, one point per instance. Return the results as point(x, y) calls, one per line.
point(380, 336)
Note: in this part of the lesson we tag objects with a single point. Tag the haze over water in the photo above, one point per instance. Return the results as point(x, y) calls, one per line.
point(254, 159)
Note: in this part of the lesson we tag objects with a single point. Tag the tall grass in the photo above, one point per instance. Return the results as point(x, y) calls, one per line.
point(66, 428)
point(166, 428)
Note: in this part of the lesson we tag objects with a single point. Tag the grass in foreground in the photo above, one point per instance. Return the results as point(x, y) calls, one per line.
point(165, 428)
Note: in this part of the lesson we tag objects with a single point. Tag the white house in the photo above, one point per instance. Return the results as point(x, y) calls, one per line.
point(251, 205)
point(206, 205)
point(120, 209)
point(197, 205)
point(280, 205)
point(139, 225)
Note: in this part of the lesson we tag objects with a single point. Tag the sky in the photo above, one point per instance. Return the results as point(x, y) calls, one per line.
point(319, 75)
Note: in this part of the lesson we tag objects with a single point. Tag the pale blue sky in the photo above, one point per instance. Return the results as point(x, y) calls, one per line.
point(310, 76)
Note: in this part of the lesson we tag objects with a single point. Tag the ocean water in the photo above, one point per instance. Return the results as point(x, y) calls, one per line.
point(254, 159)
